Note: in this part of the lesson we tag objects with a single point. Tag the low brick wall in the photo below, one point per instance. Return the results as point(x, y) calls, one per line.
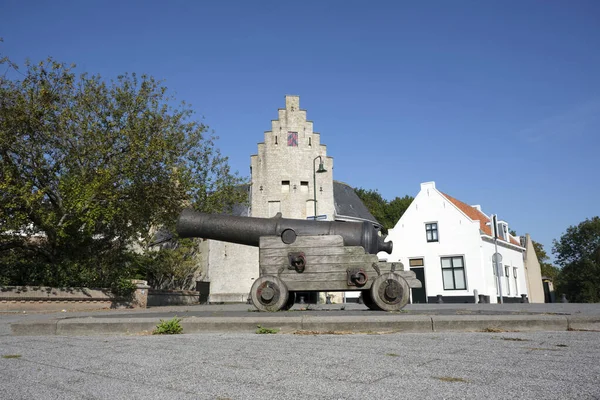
point(158, 298)
point(44, 298)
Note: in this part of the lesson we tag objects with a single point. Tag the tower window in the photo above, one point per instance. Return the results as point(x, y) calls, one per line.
point(292, 139)
point(285, 186)
point(304, 186)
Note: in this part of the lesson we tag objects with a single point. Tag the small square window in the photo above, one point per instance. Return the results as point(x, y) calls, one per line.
point(431, 231)
point(285, 186)
point(292, 139)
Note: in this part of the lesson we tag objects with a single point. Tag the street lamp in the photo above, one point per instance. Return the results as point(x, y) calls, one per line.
point(315, 171)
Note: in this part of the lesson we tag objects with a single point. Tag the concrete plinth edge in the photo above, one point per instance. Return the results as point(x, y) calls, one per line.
point(34, 328)
point(312, 323)
point(242, 324)
point(358, 324)
point(499, 323)
point(589, 323)
point(105, 326)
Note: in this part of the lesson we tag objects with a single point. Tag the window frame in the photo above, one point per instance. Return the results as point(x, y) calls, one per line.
point(453, 269)
point(292, 139)
point(429, 228)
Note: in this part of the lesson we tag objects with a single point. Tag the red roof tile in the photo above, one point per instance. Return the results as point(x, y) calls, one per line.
point(477, 215)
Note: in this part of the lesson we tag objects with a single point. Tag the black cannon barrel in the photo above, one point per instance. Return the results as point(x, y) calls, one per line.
point(248, 230)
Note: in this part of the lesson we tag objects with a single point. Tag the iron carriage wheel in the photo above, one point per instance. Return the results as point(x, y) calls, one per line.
point(269, 293)
point(389, 292)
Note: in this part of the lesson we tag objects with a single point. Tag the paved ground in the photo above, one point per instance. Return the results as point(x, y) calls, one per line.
point(535, 365)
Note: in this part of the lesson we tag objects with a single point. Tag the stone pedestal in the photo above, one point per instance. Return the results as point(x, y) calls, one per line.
point(140, 296)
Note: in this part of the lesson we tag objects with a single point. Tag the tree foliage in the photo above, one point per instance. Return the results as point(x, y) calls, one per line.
point(578, 254)
point(386, 212)
point(89, 169)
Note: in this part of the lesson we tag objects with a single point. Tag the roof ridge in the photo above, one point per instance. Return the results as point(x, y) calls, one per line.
point(476, 215)
point(470, 207)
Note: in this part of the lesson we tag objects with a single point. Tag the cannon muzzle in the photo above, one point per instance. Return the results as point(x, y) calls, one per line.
point(248, 230)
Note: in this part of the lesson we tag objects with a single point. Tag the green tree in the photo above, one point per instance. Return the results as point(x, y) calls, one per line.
point(375, 203)
point(396, 209)
point(89, 169)
point(578, 254)
point(386, 212)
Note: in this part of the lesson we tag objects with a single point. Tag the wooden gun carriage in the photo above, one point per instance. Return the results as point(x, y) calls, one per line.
point(309, 256)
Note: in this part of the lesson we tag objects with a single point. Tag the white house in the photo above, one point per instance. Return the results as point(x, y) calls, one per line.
point(449, 245)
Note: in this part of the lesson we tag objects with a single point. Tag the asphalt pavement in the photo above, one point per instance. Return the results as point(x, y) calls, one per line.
point(449, 365)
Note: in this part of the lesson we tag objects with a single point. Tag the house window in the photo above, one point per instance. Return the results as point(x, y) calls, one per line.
point(453, 273)
point(285, 186)
point(432, 232)
point(515, 276)
point(304, 186)
point(502, 231)
point(416, 262)
point(495, 272)
point(507, 275)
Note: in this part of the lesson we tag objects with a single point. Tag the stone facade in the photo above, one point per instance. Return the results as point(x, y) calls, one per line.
point(231, 269)
point(283, 170)
point(282, 174)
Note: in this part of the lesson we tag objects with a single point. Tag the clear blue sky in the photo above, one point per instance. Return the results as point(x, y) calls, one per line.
point(496, 101)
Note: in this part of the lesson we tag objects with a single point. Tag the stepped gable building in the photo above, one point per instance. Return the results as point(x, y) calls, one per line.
point(286, 177)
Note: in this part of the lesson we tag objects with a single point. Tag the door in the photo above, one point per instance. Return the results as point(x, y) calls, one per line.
point(419, 295)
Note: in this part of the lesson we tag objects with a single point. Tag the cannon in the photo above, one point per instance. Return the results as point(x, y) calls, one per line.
point(309, 256)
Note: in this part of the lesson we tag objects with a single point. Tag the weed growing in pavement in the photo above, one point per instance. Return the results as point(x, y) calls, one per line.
point(514, 339)
point(262, 330)
point(392, 355)
point(542, 349)
point(450, 379)
point(12, 356)
point(492, 330)
point(170, 327)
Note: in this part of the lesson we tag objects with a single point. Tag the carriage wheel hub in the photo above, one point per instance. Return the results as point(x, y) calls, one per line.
point(392, 290)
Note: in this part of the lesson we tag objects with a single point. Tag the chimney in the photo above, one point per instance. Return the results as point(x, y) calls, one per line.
point(428, 185)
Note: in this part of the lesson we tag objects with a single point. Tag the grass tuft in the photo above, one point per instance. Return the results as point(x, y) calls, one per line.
point(170, 327)
point(12, 356)
point(261, 330)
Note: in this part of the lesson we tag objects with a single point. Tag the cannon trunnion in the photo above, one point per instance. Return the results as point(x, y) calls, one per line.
point(300, 256)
